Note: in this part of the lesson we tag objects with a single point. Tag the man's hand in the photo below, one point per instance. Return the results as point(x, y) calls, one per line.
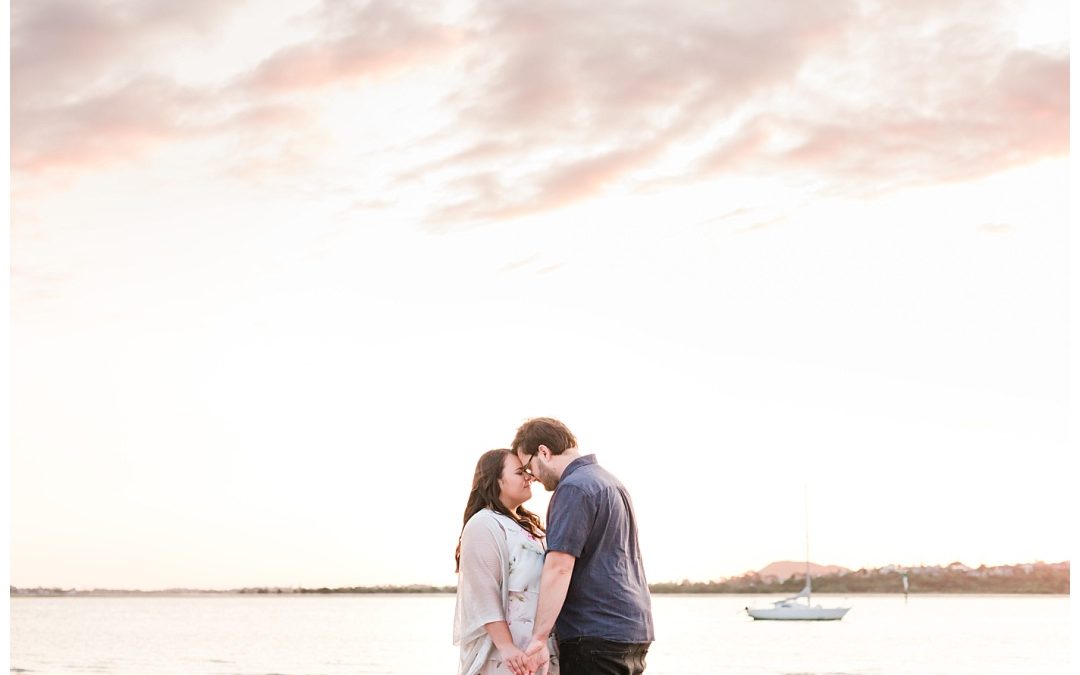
point(538, 657)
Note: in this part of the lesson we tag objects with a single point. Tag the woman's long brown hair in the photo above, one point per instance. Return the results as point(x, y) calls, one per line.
point(485, 495)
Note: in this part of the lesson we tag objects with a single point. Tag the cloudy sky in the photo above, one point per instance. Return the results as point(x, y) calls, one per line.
point(282, 271)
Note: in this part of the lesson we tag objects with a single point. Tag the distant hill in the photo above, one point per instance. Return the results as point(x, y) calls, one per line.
point(785, 569)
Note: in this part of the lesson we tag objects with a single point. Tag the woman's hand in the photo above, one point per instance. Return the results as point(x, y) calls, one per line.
point(514, 659)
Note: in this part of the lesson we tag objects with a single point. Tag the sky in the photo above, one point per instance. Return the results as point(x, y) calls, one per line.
point(281, 273)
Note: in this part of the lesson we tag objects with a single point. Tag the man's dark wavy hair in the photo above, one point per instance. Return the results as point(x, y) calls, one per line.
point(543, 431)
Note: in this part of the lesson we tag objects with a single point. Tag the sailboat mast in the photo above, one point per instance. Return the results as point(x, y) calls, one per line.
point(806, 515)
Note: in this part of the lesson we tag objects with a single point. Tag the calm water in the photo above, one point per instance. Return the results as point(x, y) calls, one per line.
point(410, 635)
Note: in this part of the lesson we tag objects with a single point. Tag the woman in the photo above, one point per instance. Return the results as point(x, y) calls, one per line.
point(500, 556)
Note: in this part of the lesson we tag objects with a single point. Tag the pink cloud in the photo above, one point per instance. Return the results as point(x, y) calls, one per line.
point(560, 101)
point(84, 94)
point(586, 177)
point(569, 70)
point(64, 48)
point(554, 188)
point(609, 87)
point(1015, 112)
point(855, 96)
point(369, 41)
point(119, 123)
point(81, 93)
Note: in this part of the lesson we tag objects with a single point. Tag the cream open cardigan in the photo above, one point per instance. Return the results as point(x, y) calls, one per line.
point(482, 587)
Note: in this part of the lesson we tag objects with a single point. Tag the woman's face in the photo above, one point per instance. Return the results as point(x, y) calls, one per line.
point(514, 484)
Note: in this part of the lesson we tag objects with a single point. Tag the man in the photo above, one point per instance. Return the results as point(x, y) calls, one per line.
point(593, 590)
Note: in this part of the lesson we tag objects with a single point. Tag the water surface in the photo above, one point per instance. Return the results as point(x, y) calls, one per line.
point(411, 634)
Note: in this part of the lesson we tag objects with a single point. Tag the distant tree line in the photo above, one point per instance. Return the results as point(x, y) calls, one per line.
point(1036, 578)
point(381, 589)
point(1031, 578)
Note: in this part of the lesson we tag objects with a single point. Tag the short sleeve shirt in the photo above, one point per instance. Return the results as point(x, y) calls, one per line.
point(590, 517)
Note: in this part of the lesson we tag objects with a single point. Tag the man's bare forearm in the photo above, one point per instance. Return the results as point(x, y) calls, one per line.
point(558, 567)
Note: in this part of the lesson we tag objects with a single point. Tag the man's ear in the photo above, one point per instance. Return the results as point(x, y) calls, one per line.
point(545, 451)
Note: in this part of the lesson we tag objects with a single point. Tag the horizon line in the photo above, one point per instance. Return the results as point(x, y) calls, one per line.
point(399, 587)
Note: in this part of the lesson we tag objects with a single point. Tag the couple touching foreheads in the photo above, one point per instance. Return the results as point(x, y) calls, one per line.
point(570, 599)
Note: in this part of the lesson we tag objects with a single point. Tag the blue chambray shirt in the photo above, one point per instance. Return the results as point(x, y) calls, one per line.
point(591, 518)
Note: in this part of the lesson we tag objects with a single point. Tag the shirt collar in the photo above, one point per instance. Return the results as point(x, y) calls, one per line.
point(573, 466)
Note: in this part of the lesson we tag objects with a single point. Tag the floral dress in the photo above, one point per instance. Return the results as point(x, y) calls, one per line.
point(526, 563)
point(500, 580)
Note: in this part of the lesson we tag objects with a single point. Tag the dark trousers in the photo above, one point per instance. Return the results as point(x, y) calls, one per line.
point(593, 656)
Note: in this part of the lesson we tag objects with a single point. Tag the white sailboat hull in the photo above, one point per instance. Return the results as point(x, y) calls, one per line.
point(798, 613)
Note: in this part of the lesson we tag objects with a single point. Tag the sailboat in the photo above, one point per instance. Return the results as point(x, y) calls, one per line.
point(792, 609)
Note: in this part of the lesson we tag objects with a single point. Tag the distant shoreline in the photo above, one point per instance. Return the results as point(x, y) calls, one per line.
point(1027, 579)
point(32, 593)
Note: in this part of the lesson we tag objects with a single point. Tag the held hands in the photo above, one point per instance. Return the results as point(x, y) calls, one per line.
point(515, 659)
point(538, 657)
